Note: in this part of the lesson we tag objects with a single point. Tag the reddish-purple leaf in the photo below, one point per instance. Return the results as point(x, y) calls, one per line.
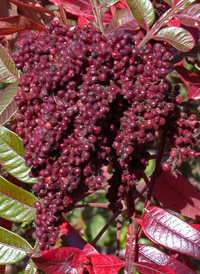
point(82, 20)
point(147, 268)
point(179, 38)
point(105, 264)
point(62, 260)
point(194, 93)
point(169, 231)
point(178, 194)
point(83, 4)
point(130, 248)
point(16, 23)
point(31, 7)
point(187, 76)
point(71, 238)
point(190, 16)
point(150, 254)
point(123, 19)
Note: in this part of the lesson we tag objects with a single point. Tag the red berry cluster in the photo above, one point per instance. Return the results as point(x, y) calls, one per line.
point(87, 101)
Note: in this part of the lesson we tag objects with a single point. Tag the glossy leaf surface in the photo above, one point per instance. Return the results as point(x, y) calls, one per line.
point(150, 254)
point(123, 19)
point(190, 16)
point(194, 93)
point(169, 231)
point(178, 194)
point(16, 204)
point(8, 71)
point(179, 38)
point(147, 268)
point(108, 3)
point(13, 248)
point(8, 105)
point(30, 268)
point(142, 11)
point(61, 260)
point(11, 156)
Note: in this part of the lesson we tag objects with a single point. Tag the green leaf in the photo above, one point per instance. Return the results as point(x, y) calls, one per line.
point(179, 38)
point(16, 204)
point(143, 12)
point(8, 71)
point(11, 156)
point(109, 3)
point(8, 105)
point(123, 19)
point(13, 248)
point(96, 224)
point(190, 16)
point(31, 268)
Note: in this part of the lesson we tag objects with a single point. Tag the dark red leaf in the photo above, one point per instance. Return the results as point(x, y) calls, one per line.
point(62, 260)
point(150, 254)
point(147, 268)
point(31, 7)
point(187, 76)
point(71, 238)
point(17, 23)
point(130, 248)
point(105, 264)
point(178, 194)
point(83, 4)
point(194, 93)
point(169, 231)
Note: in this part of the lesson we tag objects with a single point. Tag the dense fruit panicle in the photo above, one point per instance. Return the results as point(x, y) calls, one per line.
point(87, 101)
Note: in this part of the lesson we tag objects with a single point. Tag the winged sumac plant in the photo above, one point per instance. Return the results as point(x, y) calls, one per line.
point(99, 108)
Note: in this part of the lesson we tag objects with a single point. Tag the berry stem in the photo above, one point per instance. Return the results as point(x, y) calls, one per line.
point(102, 4)
point(98, 16)
point(130, 203)
point(167, 16)
point(100, 205)
point(119, 226)
point(95, 240)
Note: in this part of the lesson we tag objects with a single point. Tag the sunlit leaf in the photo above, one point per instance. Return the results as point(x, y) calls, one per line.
point(8, 71)
point(16, 204)
point(194, 93)
point(143, 12)
point(123, 19)
point(109, 3)
point(11, 156)
point(150, 254)
point(30, 268)
point(180, 38)
point(13, 248)
point(190, 16)
point(8, 105)
point(150, 268)
point(167, 230)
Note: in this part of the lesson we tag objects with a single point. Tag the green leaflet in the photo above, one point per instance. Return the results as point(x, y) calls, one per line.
point(11, 156)
point(13, 248)
point(16, 204)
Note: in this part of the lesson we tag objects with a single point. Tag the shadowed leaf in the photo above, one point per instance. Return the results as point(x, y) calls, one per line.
point(11, 156)
point(16, 204)
point(8, 71)
point(13, 248)
point(194, 93)
point(8, 105)
point(178, 194)
point(123, 20)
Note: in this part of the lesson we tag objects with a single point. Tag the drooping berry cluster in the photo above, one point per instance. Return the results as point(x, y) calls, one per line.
point(87, 101)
